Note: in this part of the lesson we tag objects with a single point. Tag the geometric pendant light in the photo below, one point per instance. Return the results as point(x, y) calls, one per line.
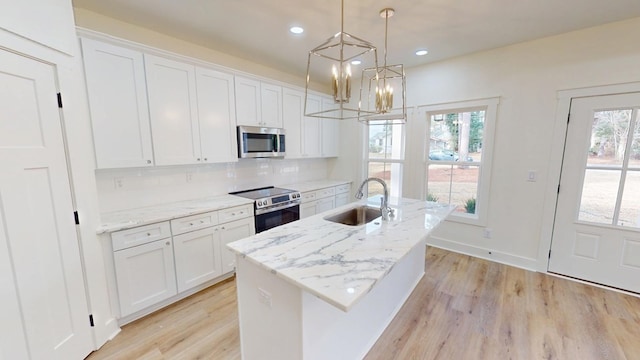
point(331, 64)
point(383, 90)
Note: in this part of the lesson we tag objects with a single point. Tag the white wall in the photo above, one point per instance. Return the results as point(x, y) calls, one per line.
point(120, 189)
point(527, 78)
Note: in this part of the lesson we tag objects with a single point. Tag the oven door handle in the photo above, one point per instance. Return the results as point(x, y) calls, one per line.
point(277, 207)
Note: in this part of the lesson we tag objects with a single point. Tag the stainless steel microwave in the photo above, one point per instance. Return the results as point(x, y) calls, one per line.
point(260, 142)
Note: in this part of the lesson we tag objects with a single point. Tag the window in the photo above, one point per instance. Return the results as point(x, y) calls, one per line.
point(458, 153)
point(385, 156)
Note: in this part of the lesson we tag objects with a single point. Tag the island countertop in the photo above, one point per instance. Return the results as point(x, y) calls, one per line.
point(339, 263)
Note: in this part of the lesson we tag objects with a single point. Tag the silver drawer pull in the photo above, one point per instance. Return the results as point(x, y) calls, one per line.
point(233, 214)
point(201, 221)
point(148, 234)
point(190, 224)
point(168, 243)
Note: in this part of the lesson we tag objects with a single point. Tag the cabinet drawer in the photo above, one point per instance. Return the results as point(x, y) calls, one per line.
point(194, 222)
point(235, 213)
point(343, 188)
point(308, 196)
point(140, 235)
point(322, 193)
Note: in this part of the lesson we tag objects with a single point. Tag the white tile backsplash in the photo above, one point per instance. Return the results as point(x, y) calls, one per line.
point(120, 189)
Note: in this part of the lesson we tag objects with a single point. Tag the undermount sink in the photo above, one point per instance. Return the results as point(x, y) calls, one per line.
point(356, 216)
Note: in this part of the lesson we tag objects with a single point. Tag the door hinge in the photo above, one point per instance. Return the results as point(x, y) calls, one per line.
point(76, 217)
point(568, 117)
point(60, 100)
point(91, 320)
point(549, 253)
point(558, 188)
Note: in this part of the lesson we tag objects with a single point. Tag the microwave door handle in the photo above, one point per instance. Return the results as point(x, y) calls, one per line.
point(276, 144)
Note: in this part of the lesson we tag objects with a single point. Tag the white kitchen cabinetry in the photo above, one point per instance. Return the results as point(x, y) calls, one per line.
point(304, 134)
point(173, 109)
point(292, 113)
point(330, 131)
point(144, 270)
point(258, 103)
point(117, 93)
point(216, 116)
point(143, 257)
point(230, 232)
point(321, 200)
point(343, 193)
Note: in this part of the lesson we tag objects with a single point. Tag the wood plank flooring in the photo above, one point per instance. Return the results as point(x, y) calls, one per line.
point(464, 308)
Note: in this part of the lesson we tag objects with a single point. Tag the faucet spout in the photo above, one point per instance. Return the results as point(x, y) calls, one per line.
point(384, 202)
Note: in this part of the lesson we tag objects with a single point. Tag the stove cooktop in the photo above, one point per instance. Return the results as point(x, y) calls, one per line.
point(269, 196)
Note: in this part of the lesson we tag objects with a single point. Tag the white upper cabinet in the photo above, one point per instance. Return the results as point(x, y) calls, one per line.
point(257, 103)
point(312, 129)
point(171, 87)
point(217, 116)
point(330, 131)
point(292, 113)
point(271, 102)
point(118, 104)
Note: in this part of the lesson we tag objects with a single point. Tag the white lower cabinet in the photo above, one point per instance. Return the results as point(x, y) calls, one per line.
point(231, 232)
point(321, 200)
point(143, 257)
point(197, 257)
point(145, 275)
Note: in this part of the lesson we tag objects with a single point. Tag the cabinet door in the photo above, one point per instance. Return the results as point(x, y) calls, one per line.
point(330, 132)
point(292, 113)
point(342, 199)
point(216, 116)
point(231, 232)
point(308, 209)
point(271, 105)
point(173, 110)
point(248, 111)
point(145, 275)
point(118, 104)
point(312, 129)
point(325, 204)
point(197, 255)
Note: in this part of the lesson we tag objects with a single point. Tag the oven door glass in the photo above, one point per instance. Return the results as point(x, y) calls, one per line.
point(279, 217)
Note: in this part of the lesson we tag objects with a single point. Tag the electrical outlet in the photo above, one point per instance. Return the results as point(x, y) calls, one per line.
point(264, 297)
point(532, 176)
point(118, 183)
point(189, 176)
point(486, 233)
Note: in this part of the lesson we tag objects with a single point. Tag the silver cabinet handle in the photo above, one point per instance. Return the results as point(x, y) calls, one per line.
point(148, 161)
point(148, 234)
point(205, 159)
point(168, 243)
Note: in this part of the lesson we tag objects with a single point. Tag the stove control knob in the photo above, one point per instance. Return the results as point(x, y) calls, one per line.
point(259, 203)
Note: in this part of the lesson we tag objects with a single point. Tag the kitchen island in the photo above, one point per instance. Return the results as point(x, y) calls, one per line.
point(315, 289)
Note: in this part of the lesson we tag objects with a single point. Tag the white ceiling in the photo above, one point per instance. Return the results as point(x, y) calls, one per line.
point(258, 29)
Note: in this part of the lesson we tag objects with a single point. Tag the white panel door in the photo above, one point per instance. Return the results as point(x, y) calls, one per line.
point(596, 235)
point(197, 255)
point(145, 274)
point(117, 93)
point(312, 129)
point(248, 104)
point(271, 105)
point(44, 305)
point(171, 86)
point(217, 116)
point(230, 232)
point(292, 112)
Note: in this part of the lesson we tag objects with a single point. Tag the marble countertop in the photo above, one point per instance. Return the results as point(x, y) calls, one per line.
point(314, 185)
point(126, 219)
point(339, 263)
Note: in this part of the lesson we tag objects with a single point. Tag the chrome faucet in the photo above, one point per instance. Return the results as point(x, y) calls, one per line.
point(384, 202)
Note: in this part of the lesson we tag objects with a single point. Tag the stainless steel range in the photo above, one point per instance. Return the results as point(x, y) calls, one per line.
point(273, 206)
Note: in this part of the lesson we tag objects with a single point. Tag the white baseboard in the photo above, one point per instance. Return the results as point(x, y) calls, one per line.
point(483, 253)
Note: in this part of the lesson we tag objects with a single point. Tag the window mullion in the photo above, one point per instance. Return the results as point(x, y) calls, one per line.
point(625, 164)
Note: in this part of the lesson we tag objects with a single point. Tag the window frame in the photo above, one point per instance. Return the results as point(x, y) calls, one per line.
point(490, 106)
point(401, 160)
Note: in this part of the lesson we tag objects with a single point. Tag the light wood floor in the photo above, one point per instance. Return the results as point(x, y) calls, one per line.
point(464, 308)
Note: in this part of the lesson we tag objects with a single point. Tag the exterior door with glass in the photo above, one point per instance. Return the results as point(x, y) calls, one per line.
point(596, 235)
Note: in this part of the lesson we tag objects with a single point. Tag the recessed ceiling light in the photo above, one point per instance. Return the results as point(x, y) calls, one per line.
point(296, 30)
point(356, 62)
point(421, 52)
